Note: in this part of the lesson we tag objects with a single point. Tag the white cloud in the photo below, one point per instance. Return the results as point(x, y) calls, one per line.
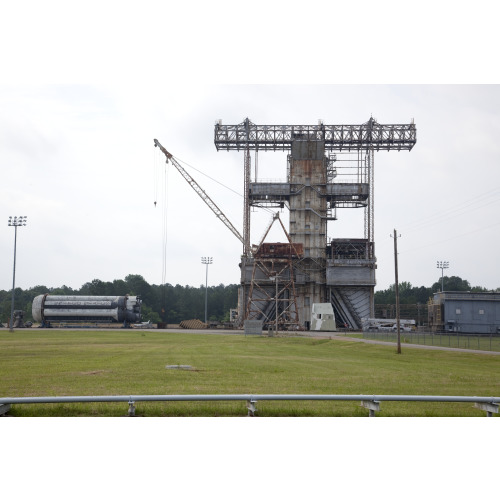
point(90, 197)
point(83, 101)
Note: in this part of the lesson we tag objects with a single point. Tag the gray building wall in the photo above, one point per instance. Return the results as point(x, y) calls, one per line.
point(470, 312)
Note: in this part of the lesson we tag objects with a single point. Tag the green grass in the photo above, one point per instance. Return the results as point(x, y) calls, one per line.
point(64, 363)
point(482, 343)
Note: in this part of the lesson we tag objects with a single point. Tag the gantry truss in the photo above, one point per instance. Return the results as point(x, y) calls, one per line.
point(369, 135)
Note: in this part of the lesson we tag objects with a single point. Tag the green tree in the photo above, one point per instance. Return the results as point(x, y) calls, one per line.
point(452, 284)
point(149, 315)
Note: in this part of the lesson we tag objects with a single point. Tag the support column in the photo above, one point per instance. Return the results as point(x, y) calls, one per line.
point(372, 406)
point(489, 408)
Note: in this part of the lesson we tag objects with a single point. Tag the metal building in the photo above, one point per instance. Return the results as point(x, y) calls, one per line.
point(465, 312)
point(328, 167)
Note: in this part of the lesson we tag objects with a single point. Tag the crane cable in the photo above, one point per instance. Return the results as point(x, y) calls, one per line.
point(164, 237)
point(160, 183)
point(206, 175)
point(157, 178)
point(156, 169)
point(218, 182)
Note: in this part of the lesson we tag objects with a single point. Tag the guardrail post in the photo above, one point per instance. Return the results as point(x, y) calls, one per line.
point(372, 406)
point(251, 407)
point(489, 408)
point(4, 409)
point(131, 408)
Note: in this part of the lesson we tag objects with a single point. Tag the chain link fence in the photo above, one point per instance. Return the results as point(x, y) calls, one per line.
point(479, 342)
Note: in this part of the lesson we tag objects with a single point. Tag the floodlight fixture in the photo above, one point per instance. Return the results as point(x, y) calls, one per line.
point(17, 221)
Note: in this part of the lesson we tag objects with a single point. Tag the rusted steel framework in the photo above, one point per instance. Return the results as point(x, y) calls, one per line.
point(272, 297)
point(369, 135)
point(350, 249)
point(276, 303)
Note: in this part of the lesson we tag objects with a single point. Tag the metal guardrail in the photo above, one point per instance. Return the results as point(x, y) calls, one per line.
point(371, 402)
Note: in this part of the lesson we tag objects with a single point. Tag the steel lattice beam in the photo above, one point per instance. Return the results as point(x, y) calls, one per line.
point(369, 135)
point(201, 193)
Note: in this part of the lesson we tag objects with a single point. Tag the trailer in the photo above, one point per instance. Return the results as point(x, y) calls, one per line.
point(388, 325)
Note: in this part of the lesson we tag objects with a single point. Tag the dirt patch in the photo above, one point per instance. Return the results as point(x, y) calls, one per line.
point(95, 372)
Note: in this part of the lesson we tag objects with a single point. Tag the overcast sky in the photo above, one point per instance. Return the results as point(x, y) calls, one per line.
point(85, 87)
point(80, 108)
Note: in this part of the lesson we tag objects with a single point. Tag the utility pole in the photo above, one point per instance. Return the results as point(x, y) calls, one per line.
point(398, 321)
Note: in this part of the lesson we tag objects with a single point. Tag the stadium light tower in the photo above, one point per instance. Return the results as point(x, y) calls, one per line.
point(442, 265)
point(206, 261)
point(16, 222)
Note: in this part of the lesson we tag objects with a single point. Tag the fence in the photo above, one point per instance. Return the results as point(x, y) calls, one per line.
point(463, 341)
point(371, 402)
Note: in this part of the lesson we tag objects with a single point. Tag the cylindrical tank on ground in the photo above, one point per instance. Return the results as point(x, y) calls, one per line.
point(74, 308)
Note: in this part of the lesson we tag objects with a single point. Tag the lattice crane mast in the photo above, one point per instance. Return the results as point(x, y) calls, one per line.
point(201, 193)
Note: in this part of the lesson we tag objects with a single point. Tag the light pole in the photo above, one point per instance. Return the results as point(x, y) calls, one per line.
point(15, 221)
point(442, 265)
point(396, 289)
point(206, 261)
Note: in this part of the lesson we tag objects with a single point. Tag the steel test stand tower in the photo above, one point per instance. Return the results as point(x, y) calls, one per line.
point(328, 167)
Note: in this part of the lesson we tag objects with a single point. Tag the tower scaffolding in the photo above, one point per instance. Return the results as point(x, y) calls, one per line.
point(276, 305)
point(341, 271)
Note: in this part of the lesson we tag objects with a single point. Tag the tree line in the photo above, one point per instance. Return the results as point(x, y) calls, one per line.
point(409, 294)
point(160, 303)
point(173, 304)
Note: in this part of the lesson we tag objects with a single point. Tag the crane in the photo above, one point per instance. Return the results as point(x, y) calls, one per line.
point(201, 193)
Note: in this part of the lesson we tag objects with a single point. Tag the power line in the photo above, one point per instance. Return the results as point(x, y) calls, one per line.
point(434, 243)
point(218, 182)
point(454, 211)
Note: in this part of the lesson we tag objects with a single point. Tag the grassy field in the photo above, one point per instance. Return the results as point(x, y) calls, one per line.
point(64, 363)
point(479, 342)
